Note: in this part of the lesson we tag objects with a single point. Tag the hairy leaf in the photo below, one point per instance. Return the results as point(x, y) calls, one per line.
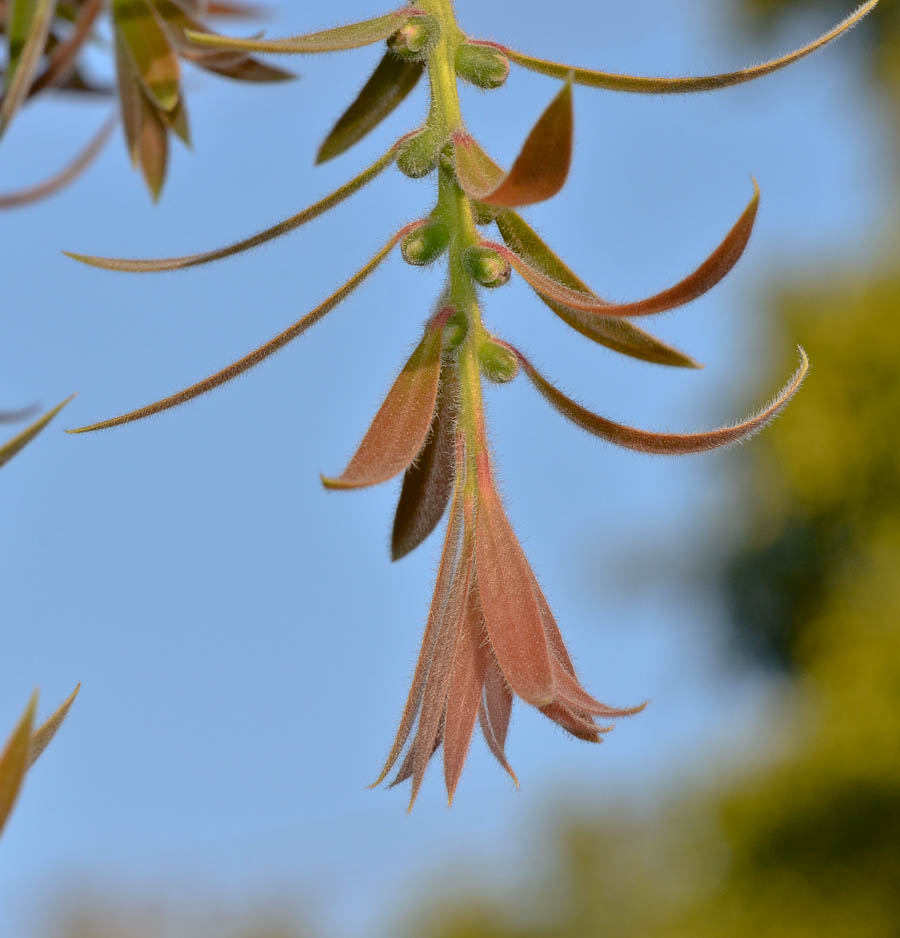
point(539, 171)
point(259, 354)
point(664, 443)
point(701, 281)
point(617, 334)
point(11, 447)
point(632, 83)
point(43, 735)
point(329, 40)
point(14, 762)
point(401, 425)
point(283, 227)
point(494, 715)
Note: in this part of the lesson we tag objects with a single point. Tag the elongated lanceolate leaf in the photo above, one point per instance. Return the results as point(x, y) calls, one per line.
point(633, 83)
point(11, 447)
point(329, 40)
point(617, 334)
point(494, 714)
point(511, 612)
point(27, 28)
point(703, 279)
point(401, 426)
point(14, 762)
point(260, 354)
point(428, 482)
point(539, 171)
point(390, 83)
point(148, 46)
point(664, 443)
point(66, 175)
point(283, 227)
point(60, 65)
point(43, 735)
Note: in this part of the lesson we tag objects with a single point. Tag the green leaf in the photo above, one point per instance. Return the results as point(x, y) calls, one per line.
point(14, 761)
point(27, 26)
point(276, 231)
point(632, 83)
point(613, 332)
point(148, 46)
point(257, 355)
point(339, 39)
point(664, 444)
point(539, 171)
point(11, 447)
point(390, 83)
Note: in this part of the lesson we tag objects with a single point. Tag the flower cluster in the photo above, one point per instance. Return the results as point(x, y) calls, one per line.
point(490, 634)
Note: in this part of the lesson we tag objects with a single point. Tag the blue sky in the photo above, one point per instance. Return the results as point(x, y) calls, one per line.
point(243, 640)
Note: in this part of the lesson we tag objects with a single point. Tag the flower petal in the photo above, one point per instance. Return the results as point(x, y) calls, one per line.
point(400, 427)
point(613, 82)
point(664, 444)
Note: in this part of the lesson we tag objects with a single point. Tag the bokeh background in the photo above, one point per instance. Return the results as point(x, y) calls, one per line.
point(243, 640)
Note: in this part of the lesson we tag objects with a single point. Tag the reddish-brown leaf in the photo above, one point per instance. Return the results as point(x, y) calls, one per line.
point(539, 171)
point(582, 727)
point(400, 427)
point(495, 712)
point(664, 443)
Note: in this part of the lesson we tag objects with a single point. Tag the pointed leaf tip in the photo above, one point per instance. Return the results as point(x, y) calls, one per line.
point(14, 761)
point(18, 442)
point(44, 734)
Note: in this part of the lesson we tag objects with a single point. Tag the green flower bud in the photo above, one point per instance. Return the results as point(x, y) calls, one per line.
point(497, 362)
point(487, 267)
point(415, 39)
point(417, 156)
point(481, 64)
point(425, 244)
point(455, 331)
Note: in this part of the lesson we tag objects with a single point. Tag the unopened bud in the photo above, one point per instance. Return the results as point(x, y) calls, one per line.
point(425, 244)
point(417, 155)
point(487, 267)
point(497, 362)
point(415, 38)
point(481, 64)
point(456, 330)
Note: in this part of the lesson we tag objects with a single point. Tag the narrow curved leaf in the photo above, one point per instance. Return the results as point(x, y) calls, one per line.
point(579, 725)
point(150, 50)
point(494, 715)
point(276, 231)
point(428, 482)
point(539, 171)
point(511, 612)
point(664, 444)
point(11, 447)
point(617, 334)
point(701, 281)
point(14, 761)
point(390, 83)
point(338, 39)
point(633, 83)
point(44, 734)
point(65, 176)
point(401, 426)
point(27, 29)
point(61, 63)
point(257, 355)
point(14, 416)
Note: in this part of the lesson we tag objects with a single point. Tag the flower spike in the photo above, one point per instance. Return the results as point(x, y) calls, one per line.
point(338, 39)
point(156, 265)
point(632, 83)
point(401, 426)
point(539, 171)
point(257, 355)
point(664, 444)
point(701, 281)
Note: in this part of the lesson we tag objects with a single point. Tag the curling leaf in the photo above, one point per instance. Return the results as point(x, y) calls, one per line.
point(632, 83)
point(390, 83)
point(11, 447)
point(615, 333)
point(283, 227)
point(257, 355)
point(14, 761)
point(703, 279)
point(401, 426)
point(539, 171)
point(664, 444)
point(339, 39)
